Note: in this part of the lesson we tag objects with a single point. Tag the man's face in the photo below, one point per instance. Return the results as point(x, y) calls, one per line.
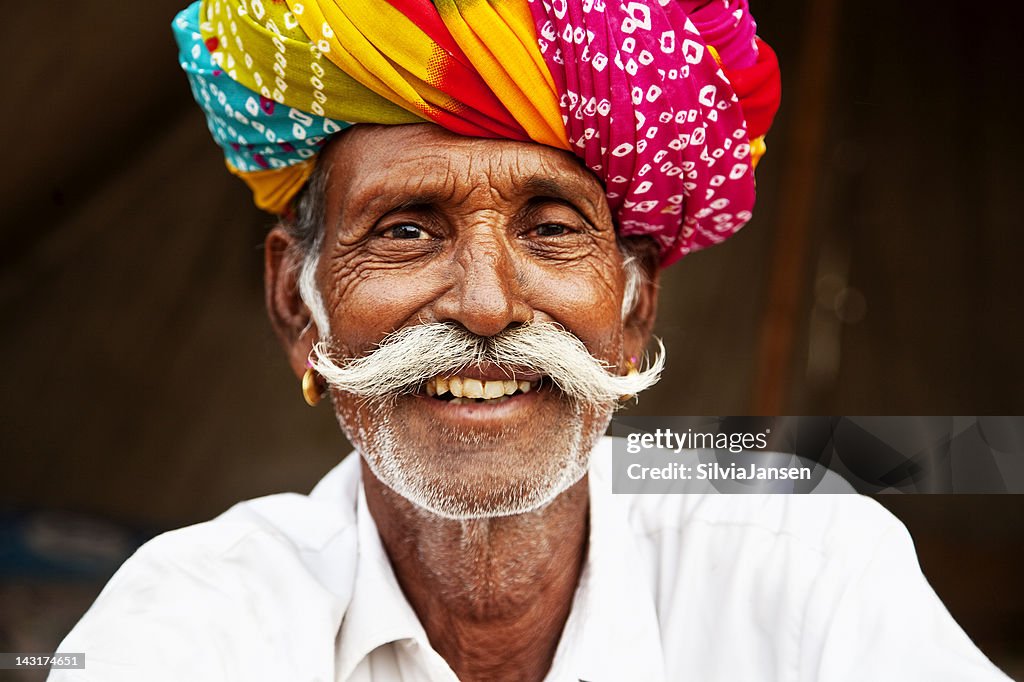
point(425, 226)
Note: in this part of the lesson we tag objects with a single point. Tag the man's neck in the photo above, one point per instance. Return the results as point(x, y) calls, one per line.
point(492, 594)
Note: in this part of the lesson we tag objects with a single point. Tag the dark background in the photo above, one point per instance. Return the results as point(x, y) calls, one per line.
point(144, 389)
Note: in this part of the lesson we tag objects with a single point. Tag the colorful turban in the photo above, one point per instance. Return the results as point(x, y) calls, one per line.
point(666, 101)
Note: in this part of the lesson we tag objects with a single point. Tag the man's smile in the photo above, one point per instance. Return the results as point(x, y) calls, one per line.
point(483, 383)
point(465, 399)
point(459, 389)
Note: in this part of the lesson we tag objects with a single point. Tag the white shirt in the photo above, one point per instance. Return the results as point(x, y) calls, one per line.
point(675, 587)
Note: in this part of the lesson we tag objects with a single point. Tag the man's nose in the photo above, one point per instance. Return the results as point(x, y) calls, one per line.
point(486, 294)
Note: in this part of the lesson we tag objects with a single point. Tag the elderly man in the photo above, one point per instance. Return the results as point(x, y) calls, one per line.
point(472, 288)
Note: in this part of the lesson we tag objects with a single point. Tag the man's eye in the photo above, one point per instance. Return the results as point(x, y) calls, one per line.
point(406, 231)
point(551, 230)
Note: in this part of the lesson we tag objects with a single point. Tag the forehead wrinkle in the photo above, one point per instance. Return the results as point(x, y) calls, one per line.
point(515, 176)
point(395, 188)
point(553, 175)
point(452, 174)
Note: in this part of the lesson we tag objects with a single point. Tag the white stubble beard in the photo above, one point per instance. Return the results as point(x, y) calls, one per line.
point(511, 491)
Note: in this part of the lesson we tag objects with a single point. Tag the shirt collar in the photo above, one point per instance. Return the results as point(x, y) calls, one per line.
point(612, 632)
point(378, 613)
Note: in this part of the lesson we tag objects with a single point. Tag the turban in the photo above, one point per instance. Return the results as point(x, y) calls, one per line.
point(666, 101)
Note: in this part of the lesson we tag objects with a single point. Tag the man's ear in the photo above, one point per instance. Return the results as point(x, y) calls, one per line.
point(291, 319)
point(639, 322)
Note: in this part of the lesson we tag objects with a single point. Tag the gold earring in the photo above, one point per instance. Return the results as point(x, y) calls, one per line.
point(631, 371)
point(310, 391)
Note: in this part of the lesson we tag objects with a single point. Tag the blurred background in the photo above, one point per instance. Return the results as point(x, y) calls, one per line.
point(144, 389)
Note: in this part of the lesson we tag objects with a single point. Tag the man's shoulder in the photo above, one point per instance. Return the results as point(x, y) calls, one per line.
point(290, 530)
point(827, 586)
point(270, 575)
point(820, 523)
point(823, 523)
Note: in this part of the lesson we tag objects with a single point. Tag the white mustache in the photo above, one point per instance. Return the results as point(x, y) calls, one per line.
point(406, 358)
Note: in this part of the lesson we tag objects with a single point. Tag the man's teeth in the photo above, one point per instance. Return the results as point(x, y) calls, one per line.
point(461, 387)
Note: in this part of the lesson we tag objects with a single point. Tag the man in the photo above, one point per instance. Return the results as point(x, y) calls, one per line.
point(472, 292)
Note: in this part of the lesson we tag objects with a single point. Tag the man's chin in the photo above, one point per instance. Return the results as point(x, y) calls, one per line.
point(500, 493)
point(486, 481)
point(469, 473)
point(477, 467)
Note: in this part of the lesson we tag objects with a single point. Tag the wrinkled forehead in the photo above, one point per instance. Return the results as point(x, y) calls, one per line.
point(428, 164)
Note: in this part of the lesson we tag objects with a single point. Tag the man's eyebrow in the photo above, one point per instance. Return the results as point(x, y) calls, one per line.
point(545, 186)
point(378, 205)
point(570, 192)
